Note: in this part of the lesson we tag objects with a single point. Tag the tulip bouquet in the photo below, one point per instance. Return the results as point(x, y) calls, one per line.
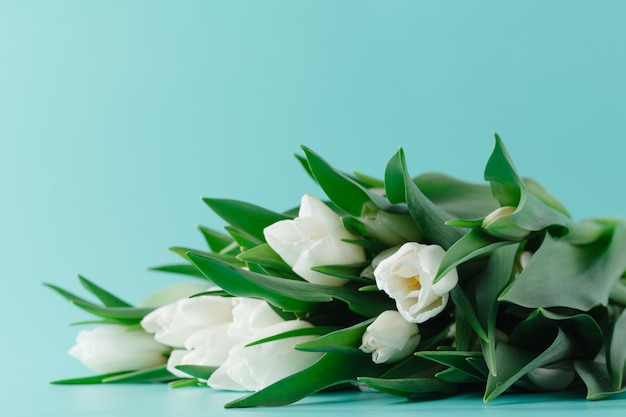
point(413, 286)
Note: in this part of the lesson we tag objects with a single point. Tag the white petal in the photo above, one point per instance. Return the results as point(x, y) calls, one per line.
point(175, 359)
point(221, 380)
point(281, 237)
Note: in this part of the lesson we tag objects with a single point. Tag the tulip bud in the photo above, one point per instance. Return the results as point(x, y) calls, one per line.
point(316, 237)
point(390, 338)
point(499, 224)
point(116, 348)
point(173, 323)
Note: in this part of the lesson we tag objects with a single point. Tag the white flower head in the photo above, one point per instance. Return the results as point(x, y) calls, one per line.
point(206, 347)
point(407, 277)
point(390, 338)
point(252, 368)
point(116, 348)
point(251, 316)
point(173, 323)
point(314, 238)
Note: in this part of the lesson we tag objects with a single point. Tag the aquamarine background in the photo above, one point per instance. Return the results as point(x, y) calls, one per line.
point(116, 116)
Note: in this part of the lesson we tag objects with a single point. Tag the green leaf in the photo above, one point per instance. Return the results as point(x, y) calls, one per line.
point(464, 334)
point(534, 215)
point(370, 246)
point(537, 190)
point(581, 279)
point(66, 294)
point(345, 341)
point(229, 258)
point(96, 379)
point(350, 272)
point(471, 246)
point(285, 294)
point(245, 216)
point(429, 218)
point(462, 303)
point(126, 315)
point(513, 362)
point(307, 331)
point(410, 387)
point(331, 369)
point(289, 295)
point(597, 379)
point(478, 363)
point(367, 181)
point(489, 283)
point(184, 382)
point(183, 269)
point(213, 293)
point(457, 376)
point(344, 191)
point(106, 297)
point(217, 241)
point(461, 199)
point(201, 372)
point(243, 239)
point(616, 354)
point(157, 374)
point(412, 367)
point(537, 330)
point(506, 185)
point(457, 360)
point(264, 255)
point(508, 188)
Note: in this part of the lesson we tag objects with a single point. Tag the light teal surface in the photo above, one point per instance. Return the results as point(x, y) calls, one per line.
point(115, 117)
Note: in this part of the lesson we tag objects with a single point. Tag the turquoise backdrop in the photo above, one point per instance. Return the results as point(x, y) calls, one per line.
point(117, 116)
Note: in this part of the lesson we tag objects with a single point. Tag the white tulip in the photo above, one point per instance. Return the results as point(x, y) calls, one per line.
point(175, 359)
point(390, 338)
point(251, 316)
point(314, 238)
point(407, 277)
point(116, 348)
point(210, 346)
point(255, 367)
point(206, 347)
point(172, 324)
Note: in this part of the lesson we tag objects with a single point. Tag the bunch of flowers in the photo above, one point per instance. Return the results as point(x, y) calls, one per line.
point(413, 286)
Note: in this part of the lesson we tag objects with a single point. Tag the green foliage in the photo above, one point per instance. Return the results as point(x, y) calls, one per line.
point(244, 216)
point(114, 310)
point(509, 189)
point(581, 279)
point(330, 370)
point(430, 218)
point(288, 295)
point(506, 318)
